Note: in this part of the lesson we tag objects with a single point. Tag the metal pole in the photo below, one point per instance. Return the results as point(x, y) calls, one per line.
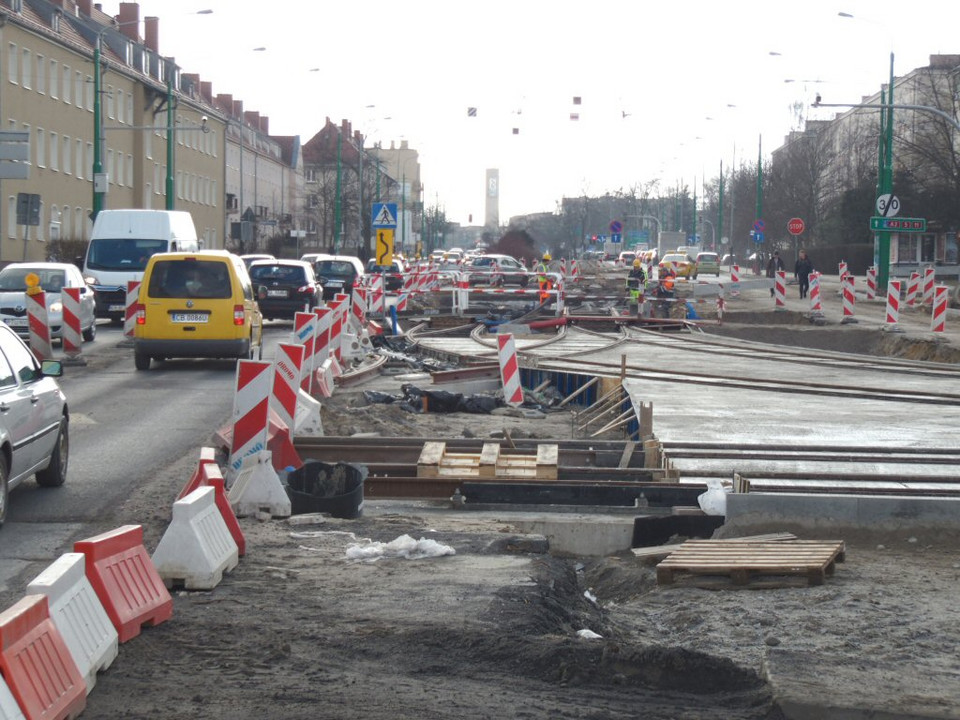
point(720, 209)
point(337, 209)
point(171, 137)
point(97, 132)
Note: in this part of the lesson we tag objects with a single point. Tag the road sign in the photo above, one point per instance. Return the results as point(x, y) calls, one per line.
point(385, 246)
point(28, 209)
point(892, 224)
point(758, 237)
point(888, 205)
point(759, 226)
point(795, 226)
point(384, 215)
point(616, 227)
point(616, 237)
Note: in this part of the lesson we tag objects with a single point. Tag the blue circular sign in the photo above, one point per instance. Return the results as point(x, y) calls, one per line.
point(616, 226)
point(759, 225)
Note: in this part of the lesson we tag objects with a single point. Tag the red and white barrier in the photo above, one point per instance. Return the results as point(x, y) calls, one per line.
point(38, 325)
point(893, 302)
point(563, 267)
point(251, 411)
point(70, 332)
point(816, 305)
point(208, 474)
point(125, 580)
point(509, 370)
point(913, 287)
point(130, 308)
point(36, 664)
point(780, 289)
point(197, 548)
point(849, 298)
point(377, 299)
point(321, 349)
point(872, 283)
point(938, 323)
point(842, 270)
point(929, 281)
point(575, 270)
point(288, 370)
point(305, 333)
point(734, 281)
point(78, 614)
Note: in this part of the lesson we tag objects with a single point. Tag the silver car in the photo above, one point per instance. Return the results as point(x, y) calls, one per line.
point(34, 421)
point(53, 278)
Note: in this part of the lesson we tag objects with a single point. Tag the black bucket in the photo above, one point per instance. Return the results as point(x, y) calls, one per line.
point(319, 487)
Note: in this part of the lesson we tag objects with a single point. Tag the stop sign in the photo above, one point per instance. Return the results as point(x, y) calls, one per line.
point(795, 226)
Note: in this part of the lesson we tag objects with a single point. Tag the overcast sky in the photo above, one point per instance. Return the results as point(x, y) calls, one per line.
point(668, 89)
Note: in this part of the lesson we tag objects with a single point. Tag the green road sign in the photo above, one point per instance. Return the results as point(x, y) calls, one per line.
point(898, 224)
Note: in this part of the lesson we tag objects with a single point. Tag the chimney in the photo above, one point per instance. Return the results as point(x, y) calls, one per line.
point(86, 7)
point(225, 103)
point(265, 125)
point(345, 127)
point(238, 109)
point(252, 118)
point(206, 91)
point(151, 33)
point(191, 80)
point(129, 20)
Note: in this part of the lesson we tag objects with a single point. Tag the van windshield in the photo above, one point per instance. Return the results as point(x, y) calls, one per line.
point(123, 254)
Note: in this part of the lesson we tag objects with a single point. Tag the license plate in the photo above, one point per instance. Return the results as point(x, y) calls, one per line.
point(277, 293)
point(190, 317)
point(16, 322)
point(116, 308)
point(334, 283)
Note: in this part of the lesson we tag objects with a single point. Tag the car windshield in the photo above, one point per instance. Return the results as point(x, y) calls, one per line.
point(278, 273)
point(706, 257)
point(123, 254)
point(337, 268)
point(189, 279)
point(674, 258)
point(14, 279)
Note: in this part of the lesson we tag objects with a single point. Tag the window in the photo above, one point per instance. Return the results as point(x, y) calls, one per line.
point(65, 223)
point(54, 151)
point(79, 159)
point(25, 68)
point(67, 79)
point(67, 150)
point(78, 88)
point(13, 53)
point(108, 169)
point(41, 148)
point(130, 170)
point(24, 364)
point(79, 224)
point(41, 75)
point(111, 112)
point(130, 117)
point(12, 216)
point(54, 79)
point(89, 103)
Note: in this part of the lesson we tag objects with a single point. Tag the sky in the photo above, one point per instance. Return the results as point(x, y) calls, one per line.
point(667, 90)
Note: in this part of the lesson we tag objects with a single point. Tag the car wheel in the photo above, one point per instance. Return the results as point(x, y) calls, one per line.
point(55, 474)
point(91, 332)
point(141, 361)
point(4, 490)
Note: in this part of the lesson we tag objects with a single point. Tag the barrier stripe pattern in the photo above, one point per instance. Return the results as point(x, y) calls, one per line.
point(130, 309)
point(251, 410)
point(305, 333)
point(39, 325)
point(509, 370)
point(849, 296)
point(358, 308)
point(893, 302)
point(842, 269)
point(780, 288)
point(872, 283)
point(929, 280)
point(321, 349)
point(288, 371)
point(816, 306)
point(913, 287)
point(70, 332)
point(938, 321)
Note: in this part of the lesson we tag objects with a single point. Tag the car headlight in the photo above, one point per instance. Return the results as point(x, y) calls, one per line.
point(91, 280)
point(56, 307)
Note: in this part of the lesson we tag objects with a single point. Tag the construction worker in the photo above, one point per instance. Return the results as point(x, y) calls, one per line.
point(543, 279)
point(664, 291)
point(636, 281)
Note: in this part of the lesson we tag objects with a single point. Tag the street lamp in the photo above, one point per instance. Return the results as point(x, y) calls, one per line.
point(713, 233)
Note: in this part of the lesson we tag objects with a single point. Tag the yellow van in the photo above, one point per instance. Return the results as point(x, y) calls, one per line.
point(196, 304)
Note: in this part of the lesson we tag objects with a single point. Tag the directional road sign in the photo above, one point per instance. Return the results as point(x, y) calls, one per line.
point(385, 246)
point(384, 215)
point(898, 224)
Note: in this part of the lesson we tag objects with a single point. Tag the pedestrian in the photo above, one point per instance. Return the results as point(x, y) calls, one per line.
point(802, 271)
point(773, 265)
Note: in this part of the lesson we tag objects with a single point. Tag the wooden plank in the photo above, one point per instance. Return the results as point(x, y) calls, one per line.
point(489, 456)
point(627, 454)
point(547, 461)
point(654, 551)
point(428, 464)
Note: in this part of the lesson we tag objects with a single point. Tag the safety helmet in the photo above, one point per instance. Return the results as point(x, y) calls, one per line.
point(546, 257)
point(637, 263)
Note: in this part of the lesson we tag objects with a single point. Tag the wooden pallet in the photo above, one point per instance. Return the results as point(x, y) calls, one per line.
point(662, 551)
point(745, 561)
point(436, 462)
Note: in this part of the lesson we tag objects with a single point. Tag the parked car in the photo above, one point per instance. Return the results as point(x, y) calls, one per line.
point(250, 259)
point(337, 273)
point(199, 304)
point(683, 265)
point(497, 270)
point(34, 424)
point(53, 277)
point(626, 258)
point(728, 260)
point(392, 274)
point(285, 287)
point(708, 262)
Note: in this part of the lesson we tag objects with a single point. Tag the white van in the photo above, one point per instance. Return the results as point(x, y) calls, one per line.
point(121, 243)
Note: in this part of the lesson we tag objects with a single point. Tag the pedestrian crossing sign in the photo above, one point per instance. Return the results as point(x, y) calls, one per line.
point(384, 215)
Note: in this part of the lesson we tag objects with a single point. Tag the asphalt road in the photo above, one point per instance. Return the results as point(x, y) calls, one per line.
point(126, 426)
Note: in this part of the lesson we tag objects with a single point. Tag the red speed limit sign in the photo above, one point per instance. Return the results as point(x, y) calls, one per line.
point(795, 226)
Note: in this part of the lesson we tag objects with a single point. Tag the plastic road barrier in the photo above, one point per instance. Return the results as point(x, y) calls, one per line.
point(872, 283)
point(735, 281)
point(913, 287)
point(125, 580)
point(197, 548)
point(305, 333)
point(929, 280)
point(893, 302)
point(36, 663)
point(358, 308)
point(509, 370)
point(816, 305)
point(70, 332)
point(78, 614)
point(939, 318)
point(208, 456)
point(251, 410)
point(780, 289)
point(39, 325)
point(842, 270)
point(321, 346)
point(130, 308)
point(288, 369)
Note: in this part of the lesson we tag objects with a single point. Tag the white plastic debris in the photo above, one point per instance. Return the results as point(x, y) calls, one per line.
point(588, 635)
point(714, 500)
point(591, 597)
point(402, 547)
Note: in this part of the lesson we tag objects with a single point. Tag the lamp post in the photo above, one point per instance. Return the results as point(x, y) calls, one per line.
point(713, 233)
